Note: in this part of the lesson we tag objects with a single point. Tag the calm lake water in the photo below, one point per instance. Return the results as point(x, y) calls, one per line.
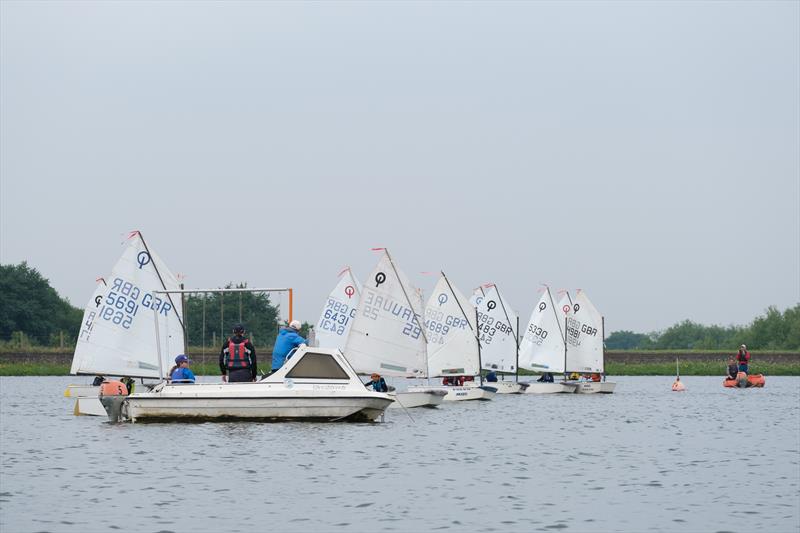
point(641, 459)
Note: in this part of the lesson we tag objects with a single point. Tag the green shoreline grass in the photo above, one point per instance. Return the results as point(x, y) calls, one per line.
point(688, 368)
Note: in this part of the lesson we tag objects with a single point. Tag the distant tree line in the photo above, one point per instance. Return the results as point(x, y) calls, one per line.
point(772, 331)
point(32, 312)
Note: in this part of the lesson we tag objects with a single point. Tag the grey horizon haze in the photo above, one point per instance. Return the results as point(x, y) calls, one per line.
point(645, 152)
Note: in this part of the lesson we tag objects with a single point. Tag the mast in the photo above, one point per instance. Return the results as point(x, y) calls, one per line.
point(480, 364)
point(516, 365)
point(565, 345)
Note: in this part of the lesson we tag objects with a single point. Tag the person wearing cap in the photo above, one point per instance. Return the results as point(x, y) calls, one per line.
point(377, 383)
point(237, 358)
point(743, 358)
point(180, 373)
point(287, 340)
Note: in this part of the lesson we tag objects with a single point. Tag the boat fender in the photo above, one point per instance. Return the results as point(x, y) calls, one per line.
point(113, 388)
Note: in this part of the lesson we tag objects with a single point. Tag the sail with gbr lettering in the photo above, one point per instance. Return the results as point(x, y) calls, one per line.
point(450, 327)
point(339, 312)
point(497, 326)
point(87, 324)
point(584, 336)
point(122, 340)
point(386, 334)
point(542, 345)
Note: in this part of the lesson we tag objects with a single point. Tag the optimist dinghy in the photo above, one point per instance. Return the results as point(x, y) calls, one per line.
point(117, 336)
point(585, 349)
point(498, 325)
point(314, 384)
point(453, 348)
point(542, 348)
point(387, 337)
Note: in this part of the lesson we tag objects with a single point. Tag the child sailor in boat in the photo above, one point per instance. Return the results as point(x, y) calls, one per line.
point(733, 368)
point(377, 383)
point(180, 373)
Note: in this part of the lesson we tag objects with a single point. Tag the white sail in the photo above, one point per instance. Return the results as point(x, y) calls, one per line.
point(386, 334)
point(452, 345)
point(87, 324)
point(123, 340)
point(339, 312)
point(497, 323)
point(542, 345)
point(563, 310)
point(584, 336)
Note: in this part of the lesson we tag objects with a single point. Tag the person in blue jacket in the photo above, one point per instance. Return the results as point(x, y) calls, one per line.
point(181, 373)
point(288, 339)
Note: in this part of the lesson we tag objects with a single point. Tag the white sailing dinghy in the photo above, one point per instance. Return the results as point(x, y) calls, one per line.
point(386, 334)
point(339, 312)
point(453, 348)
point(117, 336)
point(585, 347)
point(542, 348)
point(314, 384)
point(498, 326)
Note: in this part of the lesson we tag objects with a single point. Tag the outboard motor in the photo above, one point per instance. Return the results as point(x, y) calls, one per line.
point(112, 396)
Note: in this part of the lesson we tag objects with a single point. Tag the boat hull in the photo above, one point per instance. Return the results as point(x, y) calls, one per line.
point(422, 398)
point(550, 388)
point(154, 406)
point(589, 387)
point(507, 387)
point(607, 387)
point(459, 394)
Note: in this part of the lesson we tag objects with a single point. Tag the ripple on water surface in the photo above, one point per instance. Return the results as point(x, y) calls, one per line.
point(641, 459)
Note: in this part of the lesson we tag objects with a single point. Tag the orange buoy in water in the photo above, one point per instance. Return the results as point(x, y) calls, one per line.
point(113, 388)
point(677, 386)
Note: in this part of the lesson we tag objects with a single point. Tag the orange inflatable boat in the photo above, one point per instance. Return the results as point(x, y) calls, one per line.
point(743, 381)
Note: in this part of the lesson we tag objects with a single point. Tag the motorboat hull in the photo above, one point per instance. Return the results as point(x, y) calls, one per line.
point(154, 407)
point(422, 398)
point(541, 387)
point(458, 394)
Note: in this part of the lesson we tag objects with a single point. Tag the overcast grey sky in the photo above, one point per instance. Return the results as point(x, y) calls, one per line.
point(646, 152)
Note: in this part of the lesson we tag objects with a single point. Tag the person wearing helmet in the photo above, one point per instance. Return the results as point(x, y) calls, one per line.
point(237, 359)
point(288, 339)
point(743, 358)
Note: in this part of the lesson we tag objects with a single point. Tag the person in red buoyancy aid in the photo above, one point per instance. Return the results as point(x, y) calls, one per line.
point(237, 359)
point(743, 358)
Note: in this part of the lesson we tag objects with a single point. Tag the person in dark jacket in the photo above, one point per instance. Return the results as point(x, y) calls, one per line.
point(547, 377)
point(733, 368)
point(377, 383)
point(237, 358)
point(287, 340)
point(491, 377)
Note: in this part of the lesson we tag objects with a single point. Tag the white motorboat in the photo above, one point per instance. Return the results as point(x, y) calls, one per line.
point(539, 387)
point(428, 397)
point(455, 393)
point(315, 384)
